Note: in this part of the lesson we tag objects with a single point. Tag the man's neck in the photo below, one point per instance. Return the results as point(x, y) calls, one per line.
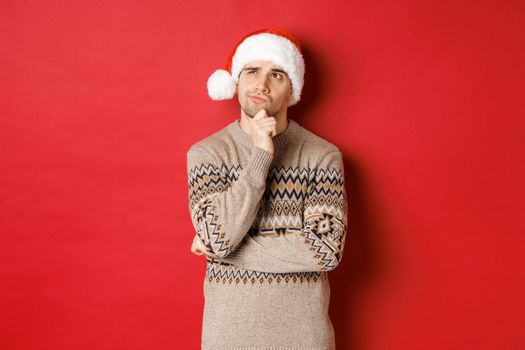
point(282, 123)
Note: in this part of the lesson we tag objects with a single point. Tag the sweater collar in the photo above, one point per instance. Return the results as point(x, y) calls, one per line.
point(279, 140)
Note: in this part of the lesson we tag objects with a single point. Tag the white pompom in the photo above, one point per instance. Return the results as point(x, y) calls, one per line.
point(221, 85)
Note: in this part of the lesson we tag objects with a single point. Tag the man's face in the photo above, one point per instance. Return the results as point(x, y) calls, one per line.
point(265, 80)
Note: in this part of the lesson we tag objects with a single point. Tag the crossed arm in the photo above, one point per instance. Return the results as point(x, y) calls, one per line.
point(223, 210)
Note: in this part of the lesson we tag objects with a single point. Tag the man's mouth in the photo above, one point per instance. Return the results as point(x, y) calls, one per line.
point(257, 99)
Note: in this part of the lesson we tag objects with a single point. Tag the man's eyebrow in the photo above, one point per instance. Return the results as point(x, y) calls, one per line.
point(273, 69)
point(278, 70)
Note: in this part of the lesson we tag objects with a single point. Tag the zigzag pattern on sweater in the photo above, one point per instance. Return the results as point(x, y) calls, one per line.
point(219, 272)
point(308, 202)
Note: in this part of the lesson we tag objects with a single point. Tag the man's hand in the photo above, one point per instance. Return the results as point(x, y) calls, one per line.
point(262, 129)
point(198, 248)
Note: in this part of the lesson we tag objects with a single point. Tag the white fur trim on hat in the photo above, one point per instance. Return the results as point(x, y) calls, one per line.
point(221, 85)
point(274, 48)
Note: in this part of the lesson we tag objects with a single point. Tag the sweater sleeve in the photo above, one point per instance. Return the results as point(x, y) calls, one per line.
point(319, 245)
point(223, 209)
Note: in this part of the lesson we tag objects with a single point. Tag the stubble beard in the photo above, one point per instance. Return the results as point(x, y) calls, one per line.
point(250, 109)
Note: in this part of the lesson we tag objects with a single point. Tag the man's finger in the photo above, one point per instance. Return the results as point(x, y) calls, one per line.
point(196, 251)
point(261, 114)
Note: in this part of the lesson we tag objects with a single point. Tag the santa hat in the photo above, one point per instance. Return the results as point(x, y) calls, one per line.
point(273, 44)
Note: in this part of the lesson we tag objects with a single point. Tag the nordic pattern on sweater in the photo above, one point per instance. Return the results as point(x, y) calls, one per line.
point(297, 202)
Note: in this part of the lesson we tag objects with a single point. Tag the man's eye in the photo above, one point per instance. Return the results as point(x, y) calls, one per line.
point(251, 71)
point(277, 75)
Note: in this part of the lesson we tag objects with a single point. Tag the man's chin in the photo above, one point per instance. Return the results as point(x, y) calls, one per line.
point(251, 109)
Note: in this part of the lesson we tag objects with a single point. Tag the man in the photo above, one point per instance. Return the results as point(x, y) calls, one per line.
point(268, 203)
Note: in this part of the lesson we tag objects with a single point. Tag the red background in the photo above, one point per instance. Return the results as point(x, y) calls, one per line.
point(100, 101)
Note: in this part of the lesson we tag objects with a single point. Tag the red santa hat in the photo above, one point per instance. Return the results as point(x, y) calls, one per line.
point(273, 44)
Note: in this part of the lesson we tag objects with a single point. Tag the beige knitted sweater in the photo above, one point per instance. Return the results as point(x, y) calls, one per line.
point(275, 225)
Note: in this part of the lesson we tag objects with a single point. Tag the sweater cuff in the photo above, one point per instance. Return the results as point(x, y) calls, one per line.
point(259, 162)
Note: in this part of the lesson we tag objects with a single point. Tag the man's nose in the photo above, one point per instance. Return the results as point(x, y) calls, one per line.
point(262, 83)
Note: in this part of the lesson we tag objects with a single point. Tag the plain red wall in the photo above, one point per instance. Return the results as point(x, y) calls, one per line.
point(100, 100)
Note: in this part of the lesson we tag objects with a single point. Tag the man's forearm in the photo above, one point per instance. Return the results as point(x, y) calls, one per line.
point(222, 216)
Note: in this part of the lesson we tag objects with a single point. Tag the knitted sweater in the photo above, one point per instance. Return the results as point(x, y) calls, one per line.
point(274, 224)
